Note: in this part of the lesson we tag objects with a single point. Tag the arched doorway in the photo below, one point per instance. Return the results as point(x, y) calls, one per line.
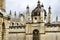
point(36, 34)
point(3, 30)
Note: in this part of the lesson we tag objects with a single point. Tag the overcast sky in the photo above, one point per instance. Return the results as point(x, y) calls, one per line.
point(20, 5)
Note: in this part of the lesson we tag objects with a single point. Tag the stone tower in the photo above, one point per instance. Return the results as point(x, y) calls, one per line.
point(49, 14)
point(27, 14)
point(4, 24)
point(36, 28)
point(2, 5)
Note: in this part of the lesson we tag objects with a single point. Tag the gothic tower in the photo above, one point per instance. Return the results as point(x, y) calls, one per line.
point(49, 14)
point(37, 26)
point(2, 5)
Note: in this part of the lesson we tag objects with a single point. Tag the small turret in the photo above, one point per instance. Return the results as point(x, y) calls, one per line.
point(15, 13)
point(49, 14)
point(43, 14)
point(19, 15)
point(27, 14)
point(56, 19)
point(10, 15)
point(42, 7)
point(15, 16)
point(10, 12)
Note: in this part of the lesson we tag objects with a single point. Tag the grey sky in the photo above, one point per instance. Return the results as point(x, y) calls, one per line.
point(20, 5)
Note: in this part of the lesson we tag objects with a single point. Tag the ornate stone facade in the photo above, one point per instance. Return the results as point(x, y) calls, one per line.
point(29, 27)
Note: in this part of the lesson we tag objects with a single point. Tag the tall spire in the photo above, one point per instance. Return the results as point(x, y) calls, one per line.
point(27, 9)
point(49, 15)
point(15, 13)
point(10, 12)
point(15, 16)
point(27, 14)
point(10, 15)
point(49, 9)
point(56, 19)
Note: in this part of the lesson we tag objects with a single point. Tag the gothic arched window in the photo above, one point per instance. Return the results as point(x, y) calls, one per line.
point(35, 34)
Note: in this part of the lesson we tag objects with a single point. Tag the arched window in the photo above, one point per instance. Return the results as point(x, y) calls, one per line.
point(35, 34)
point(3, 30)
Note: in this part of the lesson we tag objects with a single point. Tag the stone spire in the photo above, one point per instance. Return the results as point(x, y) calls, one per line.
point(27, 14)
point(10, 15)
point(15, 16)
point(49, 14)
point(56, 19)
point(10, 12)
point(27, 9)
point(49, 9)
point(15, 13)
point(19, 14)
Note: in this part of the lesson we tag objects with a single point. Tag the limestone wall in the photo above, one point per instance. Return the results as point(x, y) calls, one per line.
point(50, 36)
point(29, 37)
point(17, 36)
